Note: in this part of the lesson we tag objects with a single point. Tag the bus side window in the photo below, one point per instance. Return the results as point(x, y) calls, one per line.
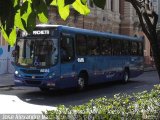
point(106, 46)
point(134, 48)
point(140, 49)
point(93, 46)
point(66, 49)
point(81, 45)
point(125, 48)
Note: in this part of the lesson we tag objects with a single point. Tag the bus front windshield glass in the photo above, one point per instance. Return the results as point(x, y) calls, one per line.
point(37, 52)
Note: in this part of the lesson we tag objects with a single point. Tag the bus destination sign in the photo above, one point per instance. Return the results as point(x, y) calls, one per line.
point(36, 33)
point(41, 32)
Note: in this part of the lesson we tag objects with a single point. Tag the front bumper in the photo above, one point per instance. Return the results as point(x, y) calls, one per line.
point(35, 83)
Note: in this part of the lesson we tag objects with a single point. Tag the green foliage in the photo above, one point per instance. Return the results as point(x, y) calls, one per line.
point(62, 9)
point(23, 14)
point(40, 8)
point(82, 9)
point(144, 105)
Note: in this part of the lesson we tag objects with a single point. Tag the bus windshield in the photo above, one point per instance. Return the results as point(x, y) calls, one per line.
point(38, 52)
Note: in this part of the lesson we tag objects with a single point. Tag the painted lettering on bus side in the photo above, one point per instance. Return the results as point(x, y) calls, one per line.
point(80, 59)
point(44, 70)
point(110, 74)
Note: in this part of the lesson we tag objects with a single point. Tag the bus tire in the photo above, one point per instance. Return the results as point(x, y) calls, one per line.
point(82, 82)
point(125, 76)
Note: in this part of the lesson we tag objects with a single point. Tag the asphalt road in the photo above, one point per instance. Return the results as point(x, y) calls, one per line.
point(72, 97)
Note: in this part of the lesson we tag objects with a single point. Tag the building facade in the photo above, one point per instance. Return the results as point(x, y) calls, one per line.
point(159, 13)
point(5, 57)
point(107, 20)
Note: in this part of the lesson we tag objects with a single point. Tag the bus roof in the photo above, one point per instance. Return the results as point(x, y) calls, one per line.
point(91, 32)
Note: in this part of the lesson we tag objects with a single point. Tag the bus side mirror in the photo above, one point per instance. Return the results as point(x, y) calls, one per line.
point(12, 63)
point(14, 52)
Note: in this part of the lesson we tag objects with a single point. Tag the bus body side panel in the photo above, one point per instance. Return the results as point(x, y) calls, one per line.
point(86, 64)
point(110, 68)
point(68, 76)
point(103, 68)
point(136, 67)
point(104, 71)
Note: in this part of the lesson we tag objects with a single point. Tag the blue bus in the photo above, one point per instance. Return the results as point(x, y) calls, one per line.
point(57, 57)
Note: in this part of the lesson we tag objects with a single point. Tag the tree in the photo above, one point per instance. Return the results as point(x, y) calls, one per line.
point(22, 14)
point(148, 19)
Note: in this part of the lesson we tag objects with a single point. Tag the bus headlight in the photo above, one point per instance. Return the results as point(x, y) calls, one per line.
point(51, 75)
point(17, 73)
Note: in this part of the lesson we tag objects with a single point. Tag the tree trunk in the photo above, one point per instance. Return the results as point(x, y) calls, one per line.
point(155, 45)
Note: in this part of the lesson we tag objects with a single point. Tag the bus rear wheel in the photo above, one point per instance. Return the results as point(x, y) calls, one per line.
point(125, 76)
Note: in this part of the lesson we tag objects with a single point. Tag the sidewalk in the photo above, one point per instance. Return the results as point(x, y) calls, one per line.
point(16, 109)
point(13, 105)
point(7, 80)
point(148, 69)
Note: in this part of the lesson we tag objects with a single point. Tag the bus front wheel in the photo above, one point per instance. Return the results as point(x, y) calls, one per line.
point(82, 82)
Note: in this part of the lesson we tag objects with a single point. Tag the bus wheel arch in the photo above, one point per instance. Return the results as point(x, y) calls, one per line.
point(82, 80)
point(126, 75)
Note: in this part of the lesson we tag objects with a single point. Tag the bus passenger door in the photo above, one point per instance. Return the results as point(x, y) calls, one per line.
point(67, 56)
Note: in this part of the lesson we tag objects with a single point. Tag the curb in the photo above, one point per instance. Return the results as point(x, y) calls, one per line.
point(150, 69)
point(4, 86)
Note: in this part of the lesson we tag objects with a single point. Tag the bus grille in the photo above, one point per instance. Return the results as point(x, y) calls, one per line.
point(31, 71)
point(36, 77)
point(30, 82)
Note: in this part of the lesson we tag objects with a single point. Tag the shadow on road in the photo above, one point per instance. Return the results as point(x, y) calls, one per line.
point(73, 97)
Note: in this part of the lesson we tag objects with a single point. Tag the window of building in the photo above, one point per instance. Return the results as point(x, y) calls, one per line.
point(112, 5)
point(91, 3)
